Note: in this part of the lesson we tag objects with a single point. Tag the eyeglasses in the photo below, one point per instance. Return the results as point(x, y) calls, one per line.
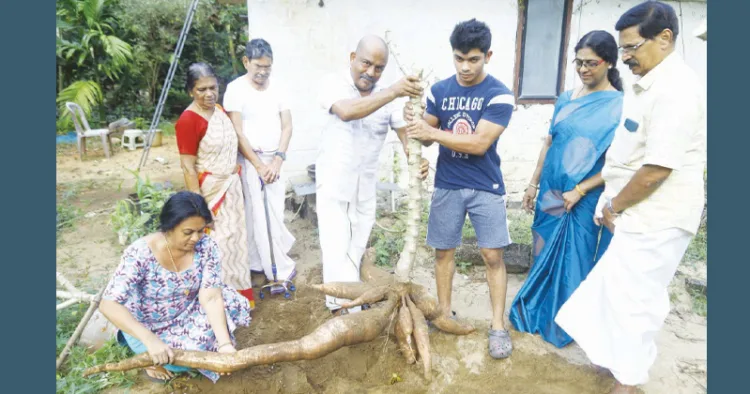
point(588, 63)
point(631, 48)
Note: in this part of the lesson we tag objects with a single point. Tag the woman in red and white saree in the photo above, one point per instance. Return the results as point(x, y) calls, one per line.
point(208, 146)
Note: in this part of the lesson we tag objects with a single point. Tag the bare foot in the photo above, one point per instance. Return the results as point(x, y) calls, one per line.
point(159, 373)
point(623, 389)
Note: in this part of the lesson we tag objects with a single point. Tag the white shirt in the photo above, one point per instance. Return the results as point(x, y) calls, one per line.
point(349, 151)
point(664, 124)
point(260, 109)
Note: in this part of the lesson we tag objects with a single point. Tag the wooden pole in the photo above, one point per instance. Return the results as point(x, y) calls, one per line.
point(77, 333)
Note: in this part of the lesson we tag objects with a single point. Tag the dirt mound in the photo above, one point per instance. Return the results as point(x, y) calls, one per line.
point(459, 363)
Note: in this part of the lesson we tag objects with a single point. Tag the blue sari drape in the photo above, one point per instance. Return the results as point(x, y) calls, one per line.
point(567, 244)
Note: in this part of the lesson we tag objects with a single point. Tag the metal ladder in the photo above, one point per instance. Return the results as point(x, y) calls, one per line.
point(149, 137)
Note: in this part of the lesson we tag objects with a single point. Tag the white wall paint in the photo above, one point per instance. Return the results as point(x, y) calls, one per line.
point(310, 41)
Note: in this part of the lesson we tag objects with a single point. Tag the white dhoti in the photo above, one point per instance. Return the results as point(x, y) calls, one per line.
point(257, 232)
point(616, 312)
point(344, 229)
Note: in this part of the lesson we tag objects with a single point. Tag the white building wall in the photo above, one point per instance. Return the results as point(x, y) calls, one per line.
point(310, 41)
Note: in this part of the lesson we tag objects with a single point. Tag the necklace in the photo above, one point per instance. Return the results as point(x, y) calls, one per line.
point(176, 271)
point(204, 113)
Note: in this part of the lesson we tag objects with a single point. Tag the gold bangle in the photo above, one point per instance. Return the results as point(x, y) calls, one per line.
point(578, 189)
point(534, 186)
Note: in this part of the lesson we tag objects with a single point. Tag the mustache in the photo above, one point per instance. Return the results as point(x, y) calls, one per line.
point(366, 77)
point(631, 62)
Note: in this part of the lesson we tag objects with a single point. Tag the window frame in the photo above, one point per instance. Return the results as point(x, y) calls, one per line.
point(520, 44)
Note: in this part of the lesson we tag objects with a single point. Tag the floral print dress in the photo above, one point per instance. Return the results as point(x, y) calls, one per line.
point(166, 302)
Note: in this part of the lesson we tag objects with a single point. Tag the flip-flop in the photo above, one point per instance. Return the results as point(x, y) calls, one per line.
point(500, 345)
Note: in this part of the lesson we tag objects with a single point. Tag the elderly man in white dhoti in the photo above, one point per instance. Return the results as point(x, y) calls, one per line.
point(258, 109)
point(653, 200)
point(360, 112)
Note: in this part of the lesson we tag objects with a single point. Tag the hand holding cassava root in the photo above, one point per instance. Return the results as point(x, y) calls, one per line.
point(345, 330)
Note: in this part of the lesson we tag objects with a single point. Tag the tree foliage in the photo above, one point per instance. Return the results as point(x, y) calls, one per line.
point(113, 55)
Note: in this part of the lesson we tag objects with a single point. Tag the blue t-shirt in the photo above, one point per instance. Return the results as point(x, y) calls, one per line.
point(459, 110)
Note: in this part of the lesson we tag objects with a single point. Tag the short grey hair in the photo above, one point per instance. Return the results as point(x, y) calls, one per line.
point(258, 48)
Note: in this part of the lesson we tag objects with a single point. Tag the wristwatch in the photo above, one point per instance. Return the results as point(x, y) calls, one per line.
point(282, 155)
point(610, 209)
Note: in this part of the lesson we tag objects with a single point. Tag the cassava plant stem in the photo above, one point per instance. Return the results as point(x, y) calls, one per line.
point(414, 199)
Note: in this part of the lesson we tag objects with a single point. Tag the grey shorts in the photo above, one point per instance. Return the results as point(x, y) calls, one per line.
point(448, 213)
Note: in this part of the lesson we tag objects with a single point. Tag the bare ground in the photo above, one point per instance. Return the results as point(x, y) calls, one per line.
point(88, 252)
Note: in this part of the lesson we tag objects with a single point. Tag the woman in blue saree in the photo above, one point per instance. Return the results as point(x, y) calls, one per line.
point(567, 242)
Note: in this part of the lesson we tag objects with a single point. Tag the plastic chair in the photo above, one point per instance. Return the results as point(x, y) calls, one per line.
point(84, 131)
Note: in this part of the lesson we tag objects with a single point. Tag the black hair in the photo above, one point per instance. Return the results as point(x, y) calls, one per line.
point(182, 206)
point(258, 48)
point(471, 34)
point(196, 71)
point(605, 46)
point(651, 17)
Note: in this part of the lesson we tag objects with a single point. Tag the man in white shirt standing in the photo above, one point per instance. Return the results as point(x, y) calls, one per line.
point(652, 202)
point(257, 107)
point(360, 113)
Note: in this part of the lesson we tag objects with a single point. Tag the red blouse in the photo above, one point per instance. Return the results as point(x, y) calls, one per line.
point(190, 130)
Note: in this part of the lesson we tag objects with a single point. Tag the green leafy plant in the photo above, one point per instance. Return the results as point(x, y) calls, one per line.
point(126, 46)
point(89, 51)
point(387, 249)
point(128, 222)
point(135, 217)
point(87, 94)
point(151, 196)
point(388, 243)
point(64, 124)
point(141, 123)
point(69, 378)
point(463, 267)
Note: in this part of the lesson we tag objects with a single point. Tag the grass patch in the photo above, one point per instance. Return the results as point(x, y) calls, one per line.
point(700, 303)
point(463, 267)
point(468, 230)
point(66, 216)
point(67, 213)
point(69, 378)
point(673, 298)
point(520, 227)
point(388, 243)
point(698, 248)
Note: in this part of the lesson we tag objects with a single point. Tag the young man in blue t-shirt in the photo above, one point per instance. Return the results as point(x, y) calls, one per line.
point(466, 114)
